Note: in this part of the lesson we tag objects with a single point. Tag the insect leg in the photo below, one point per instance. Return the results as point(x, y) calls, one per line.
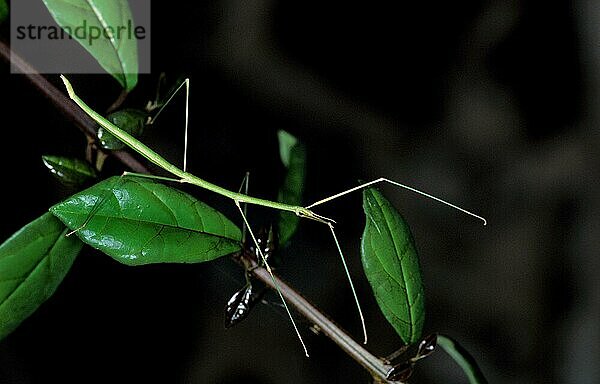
point(383, 179)
point(244, 187)
point(186, 82)
point(268, 268)
point(360, 313)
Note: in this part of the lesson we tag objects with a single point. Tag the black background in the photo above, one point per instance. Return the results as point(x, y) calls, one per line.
point(490, 104)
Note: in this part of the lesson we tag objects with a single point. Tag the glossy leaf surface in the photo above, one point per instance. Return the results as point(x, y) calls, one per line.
point(116, 53)
point(139, 221)
point(33, 262)
point(293, 156)
point(3, 11)
point(391, 265)
point(69, 171)
point(462, 358)
point(131, 121)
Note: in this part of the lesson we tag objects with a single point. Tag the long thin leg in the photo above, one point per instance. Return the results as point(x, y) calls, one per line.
point(383, 179)
point(268, 268)
point(186, 82)
point(362, 318)
point(161, 80)
point(244, 187)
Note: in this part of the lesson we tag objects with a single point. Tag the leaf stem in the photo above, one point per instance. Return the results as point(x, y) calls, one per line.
point(118, 102)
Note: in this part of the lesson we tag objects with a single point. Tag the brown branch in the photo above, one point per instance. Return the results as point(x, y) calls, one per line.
point(377, 367)
point(65, 105)
point(118, 102)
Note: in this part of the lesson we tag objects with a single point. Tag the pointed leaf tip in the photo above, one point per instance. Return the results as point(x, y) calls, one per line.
point(69, 171)
point(116, 53)
point(293, 157)
point(286, 142)
point(463, 358)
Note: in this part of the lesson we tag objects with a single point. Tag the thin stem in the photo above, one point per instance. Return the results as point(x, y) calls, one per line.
point(371, 363)
point(118, 102)
point(64, 105)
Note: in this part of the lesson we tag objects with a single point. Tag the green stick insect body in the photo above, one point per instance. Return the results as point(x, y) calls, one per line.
point(240, 198)
point(184, 177)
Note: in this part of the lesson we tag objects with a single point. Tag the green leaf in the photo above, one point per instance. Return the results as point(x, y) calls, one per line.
point(131, 121)
point(140, 221)
point(286, 143)
point(293, 156)
point(33, 262)
point(70, 171)
point(116, 52)
point(3, 11)
point(392, 267)
point(463, 358)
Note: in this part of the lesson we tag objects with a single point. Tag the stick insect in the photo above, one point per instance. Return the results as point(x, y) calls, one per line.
point(182, 176)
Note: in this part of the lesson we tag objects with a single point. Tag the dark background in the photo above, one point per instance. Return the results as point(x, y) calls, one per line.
point(490, 104)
